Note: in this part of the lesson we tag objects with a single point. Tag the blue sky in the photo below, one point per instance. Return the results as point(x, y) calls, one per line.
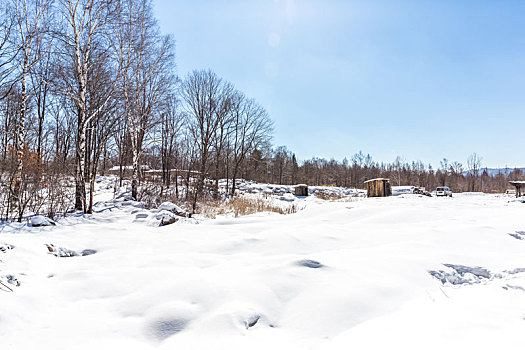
point(419, 79)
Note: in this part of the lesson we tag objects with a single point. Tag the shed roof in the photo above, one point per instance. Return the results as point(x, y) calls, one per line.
point(378, 179)
point(517, 182)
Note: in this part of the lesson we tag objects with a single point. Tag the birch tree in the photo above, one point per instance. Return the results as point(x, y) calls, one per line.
point(146, 60)
point(31, 20)
point(86, 22)
point(8, 52)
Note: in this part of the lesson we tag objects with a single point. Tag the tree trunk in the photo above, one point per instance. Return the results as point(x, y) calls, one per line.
point(20, 149)
point(233, 184)
point(168, 171)
point(80, 180)
point(135, 176)
point(91, 191)
point(216, 187)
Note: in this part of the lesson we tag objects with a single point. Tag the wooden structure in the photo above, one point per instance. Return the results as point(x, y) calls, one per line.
point(378, 188)
point(301, 190)
point(519, 185)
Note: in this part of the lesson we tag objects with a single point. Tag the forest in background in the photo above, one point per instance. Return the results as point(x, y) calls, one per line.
point(90, 85)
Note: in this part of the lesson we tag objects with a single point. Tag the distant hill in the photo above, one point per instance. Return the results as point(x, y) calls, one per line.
point(495, 171)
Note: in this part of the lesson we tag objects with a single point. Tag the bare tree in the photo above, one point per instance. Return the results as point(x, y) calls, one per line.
point(8, 51)
point(200, 92)
point(103, 125)
point(146, 61)
point(251, 128)
point(474, 166)
point(443, 171)
point(397, 168)
point(41, 76)
point(171, 126)
point(224, 116)
point(86, 22)
point(31, 18)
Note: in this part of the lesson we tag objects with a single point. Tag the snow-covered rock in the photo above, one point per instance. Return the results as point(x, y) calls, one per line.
point(66, 253)
point(165, 217)
point(60, 252)
point(39, 220)
point(399, 190)
point(169, 206)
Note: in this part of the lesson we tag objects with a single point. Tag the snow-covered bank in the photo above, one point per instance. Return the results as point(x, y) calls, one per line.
point(366, 274)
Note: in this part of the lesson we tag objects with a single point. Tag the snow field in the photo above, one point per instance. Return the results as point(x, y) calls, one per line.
point(335, 275)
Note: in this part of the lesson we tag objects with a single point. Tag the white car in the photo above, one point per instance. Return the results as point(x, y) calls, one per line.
point(443, 191)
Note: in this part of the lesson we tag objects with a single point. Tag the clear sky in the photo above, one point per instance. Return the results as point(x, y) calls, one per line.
point(420, 79)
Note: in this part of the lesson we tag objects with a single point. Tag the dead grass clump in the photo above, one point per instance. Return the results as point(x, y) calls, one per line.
point(328, 196)
point(210, 209)
point(247, 206)
point(240, 206)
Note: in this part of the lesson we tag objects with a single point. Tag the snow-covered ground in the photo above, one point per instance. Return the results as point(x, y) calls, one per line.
point(404, 272)
point(273, 189)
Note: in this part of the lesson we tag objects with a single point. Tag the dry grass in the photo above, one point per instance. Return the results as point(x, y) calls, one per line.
point(240, 206)
point(328, 196)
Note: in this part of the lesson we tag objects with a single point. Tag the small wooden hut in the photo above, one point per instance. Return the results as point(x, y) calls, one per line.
point(301, 190)
point(378, 187)
point(519, 185)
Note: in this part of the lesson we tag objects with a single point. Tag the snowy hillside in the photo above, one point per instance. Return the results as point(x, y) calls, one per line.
point(404, 272)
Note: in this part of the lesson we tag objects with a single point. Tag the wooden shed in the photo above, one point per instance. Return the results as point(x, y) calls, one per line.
point(301, 190)
point(378, 187)
point(519, 186)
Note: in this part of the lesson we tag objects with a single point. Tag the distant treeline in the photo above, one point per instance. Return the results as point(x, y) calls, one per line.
point(280, 166)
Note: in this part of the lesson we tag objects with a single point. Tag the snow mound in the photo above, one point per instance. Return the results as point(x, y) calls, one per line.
point(39, 220)
point(288, 191)
point(399, 190)
point(169, 206)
